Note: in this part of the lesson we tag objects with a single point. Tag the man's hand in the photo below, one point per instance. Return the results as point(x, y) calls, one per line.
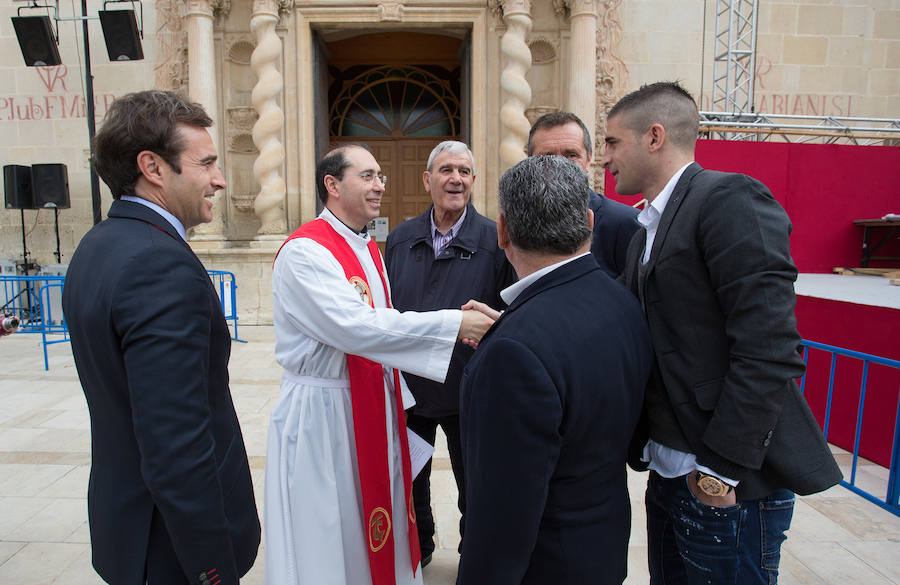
point(481, 308)
point(728, 499)
point(475, 324)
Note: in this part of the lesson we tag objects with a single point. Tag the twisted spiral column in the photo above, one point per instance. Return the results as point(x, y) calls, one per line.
point(515, 89)
point(269, 203)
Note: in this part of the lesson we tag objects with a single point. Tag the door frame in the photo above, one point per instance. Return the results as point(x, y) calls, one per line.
point(376, 19)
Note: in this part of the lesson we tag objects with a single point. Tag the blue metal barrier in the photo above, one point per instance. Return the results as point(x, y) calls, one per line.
point(891, 500)
point(225, 285)
point(20, 295)
point(52, 319)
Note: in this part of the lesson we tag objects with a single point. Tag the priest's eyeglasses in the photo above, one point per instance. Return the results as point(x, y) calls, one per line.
point(369, 176)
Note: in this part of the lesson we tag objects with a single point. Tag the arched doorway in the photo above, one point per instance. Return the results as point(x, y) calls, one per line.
point(401, 110)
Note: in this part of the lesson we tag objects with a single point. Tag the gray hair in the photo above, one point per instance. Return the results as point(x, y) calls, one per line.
point(451, 147)
point(544, 200)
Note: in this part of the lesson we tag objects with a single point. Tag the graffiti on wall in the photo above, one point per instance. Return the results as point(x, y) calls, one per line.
point(56, 103)
point(768, 100)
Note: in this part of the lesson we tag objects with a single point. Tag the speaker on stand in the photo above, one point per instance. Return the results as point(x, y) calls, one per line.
point(50, 186)
point(18, 194)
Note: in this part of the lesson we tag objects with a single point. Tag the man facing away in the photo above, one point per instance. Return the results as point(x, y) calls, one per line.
point(338, 504)
point(564, 134)
point(546, 413)
point(728, 436)
point(440, 260)
point(170, 500)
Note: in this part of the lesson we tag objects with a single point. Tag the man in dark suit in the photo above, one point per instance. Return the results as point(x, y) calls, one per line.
point(440, 260)
point(170, 499)
point(546, 417)
point(728, 437)
point(564, 134)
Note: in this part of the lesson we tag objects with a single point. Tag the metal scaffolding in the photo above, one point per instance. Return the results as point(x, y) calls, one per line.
point(783, 128)
point(735, 56)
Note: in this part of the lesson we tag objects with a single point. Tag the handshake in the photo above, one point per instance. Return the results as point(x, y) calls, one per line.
point(477, 318)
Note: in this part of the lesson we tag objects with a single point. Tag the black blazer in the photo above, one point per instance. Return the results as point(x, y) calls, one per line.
point(614, 225)
point(548, 404)
point(151, 346)
point(719, 298)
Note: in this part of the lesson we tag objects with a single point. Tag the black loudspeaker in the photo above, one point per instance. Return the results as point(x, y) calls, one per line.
point(17, 187)
point(121, 35)
point(50, 184)
point(36, 40)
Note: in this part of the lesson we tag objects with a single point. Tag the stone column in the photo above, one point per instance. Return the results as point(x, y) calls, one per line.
point(269, 203)
point(515, 89)
point(202, 89)
point(583, 61)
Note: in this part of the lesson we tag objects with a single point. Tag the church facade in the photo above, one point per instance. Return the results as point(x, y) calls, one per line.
point(285, 80)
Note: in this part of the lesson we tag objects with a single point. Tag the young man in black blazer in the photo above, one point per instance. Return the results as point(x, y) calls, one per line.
point(727, 435)
point(170, 499)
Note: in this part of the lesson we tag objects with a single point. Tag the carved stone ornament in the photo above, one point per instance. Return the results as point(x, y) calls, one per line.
point(221, 7)
point(242, 143)
point(241, 119)
point(239, 51)
point(502, 8)
point(278, 8)
point(577, 7)
point(243, 202)
point(171, 67)
point(543, 50)
point(285, 7)
point(391, 11)
point(612, 73)
point(560, 7)
point(535, 112)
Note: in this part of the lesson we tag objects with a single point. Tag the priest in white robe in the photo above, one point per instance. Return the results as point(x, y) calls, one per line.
point(317, 528)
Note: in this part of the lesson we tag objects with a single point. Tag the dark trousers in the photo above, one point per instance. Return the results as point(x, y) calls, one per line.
point(427, 428)
point(690, 543)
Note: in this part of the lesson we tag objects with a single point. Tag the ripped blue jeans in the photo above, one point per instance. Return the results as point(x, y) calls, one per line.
point(690, 543)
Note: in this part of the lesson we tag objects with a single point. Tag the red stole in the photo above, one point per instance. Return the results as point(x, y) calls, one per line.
point(367, 399)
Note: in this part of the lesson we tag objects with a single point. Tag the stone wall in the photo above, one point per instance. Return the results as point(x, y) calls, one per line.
point(814, 57)
point(43, 120)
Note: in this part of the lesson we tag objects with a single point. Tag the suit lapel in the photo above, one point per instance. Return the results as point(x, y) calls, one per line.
point(675, 200)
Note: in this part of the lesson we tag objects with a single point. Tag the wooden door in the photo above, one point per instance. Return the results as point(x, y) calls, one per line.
point(403, 161)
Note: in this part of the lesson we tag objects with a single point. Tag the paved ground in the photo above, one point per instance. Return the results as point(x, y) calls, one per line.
point(837, 537)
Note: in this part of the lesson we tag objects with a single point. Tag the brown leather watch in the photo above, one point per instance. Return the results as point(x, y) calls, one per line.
point(712, 485)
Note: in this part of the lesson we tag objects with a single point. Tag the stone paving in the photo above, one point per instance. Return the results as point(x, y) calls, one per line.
point(837, 537)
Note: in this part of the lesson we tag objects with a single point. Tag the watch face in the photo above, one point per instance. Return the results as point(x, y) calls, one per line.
point(711, 486)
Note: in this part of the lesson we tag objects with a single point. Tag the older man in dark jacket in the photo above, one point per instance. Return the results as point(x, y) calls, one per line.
point(440, 260)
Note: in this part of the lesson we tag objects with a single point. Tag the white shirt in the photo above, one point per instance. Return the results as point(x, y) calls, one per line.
point(649, 216)
point(664, 460)
point(510, 293)
point(160, 210)
point(440, 240)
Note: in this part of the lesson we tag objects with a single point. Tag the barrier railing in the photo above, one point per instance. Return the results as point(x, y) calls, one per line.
point(226, 287)
point(53, 322)
point(20, 295)
point(37, 302)
point(891, 499)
